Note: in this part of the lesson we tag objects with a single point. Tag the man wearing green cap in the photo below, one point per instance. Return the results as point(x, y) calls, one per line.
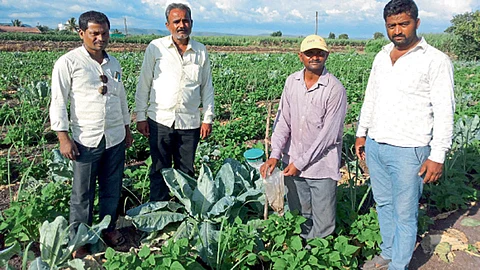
point(308, 137)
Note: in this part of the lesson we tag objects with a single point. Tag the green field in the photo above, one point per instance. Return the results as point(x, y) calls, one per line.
point(244, 85)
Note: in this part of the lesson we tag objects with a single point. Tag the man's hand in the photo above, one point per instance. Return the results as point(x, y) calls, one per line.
point(291, 170)
point(128, 137)
point(268, 167)
point(205, 130)
point(68, 148)
point(360, 148)
point(143, 128)
point(431, 171)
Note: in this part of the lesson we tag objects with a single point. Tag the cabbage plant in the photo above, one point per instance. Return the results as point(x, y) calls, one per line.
point(203, 204)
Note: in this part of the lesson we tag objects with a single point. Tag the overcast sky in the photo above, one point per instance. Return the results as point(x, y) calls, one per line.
point(357, 18)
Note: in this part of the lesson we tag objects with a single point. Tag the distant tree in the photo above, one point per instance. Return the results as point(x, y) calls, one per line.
point(72, 25)
point(276, 34)
point(465, 27)
point(116, 31)
point(43, 28)
point(343, 36)
point(378, 35)
point(17, 23)
point(331, 35)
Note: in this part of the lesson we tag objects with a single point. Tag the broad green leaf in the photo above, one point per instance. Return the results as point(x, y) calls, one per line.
point(176, 266)
point(185, 230)
point(207, 243)
point(349, 250)
point(156, 221)
point(152, 207)
point(38, 264)
point(204, 194)
point(9, 252)
point(221, 206)
point(77, 264)
point(86, 235)
point(53, 238)
point(225, 181)
point(249, 193)
point(179, 184)
point(240, 170)
point(280, 264)
point(296, 243)
point(334, 256)
point(144, 252)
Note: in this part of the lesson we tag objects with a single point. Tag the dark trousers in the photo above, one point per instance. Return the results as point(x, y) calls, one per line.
point(108, 165)
point(169, 145)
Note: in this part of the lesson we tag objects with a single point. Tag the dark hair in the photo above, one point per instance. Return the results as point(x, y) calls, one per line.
point(178, 6)
point(395, 7)
point(92, 17)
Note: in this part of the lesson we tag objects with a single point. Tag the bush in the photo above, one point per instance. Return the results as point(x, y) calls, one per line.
point(343, 36)
point(378, 35)
point(277, 34)
point(375, 45)
point(465, 27)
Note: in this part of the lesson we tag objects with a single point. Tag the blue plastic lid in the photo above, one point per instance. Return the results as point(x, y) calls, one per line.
point(253, 154)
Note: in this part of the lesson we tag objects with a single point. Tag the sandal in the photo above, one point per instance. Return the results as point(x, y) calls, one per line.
point(378, 262)
point(113, 238)
point(81, 252)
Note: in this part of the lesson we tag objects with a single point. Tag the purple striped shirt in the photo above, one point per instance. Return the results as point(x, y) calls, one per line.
point(309, 125)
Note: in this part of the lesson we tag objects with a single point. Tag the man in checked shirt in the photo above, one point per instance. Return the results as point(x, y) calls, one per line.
point(308, 134)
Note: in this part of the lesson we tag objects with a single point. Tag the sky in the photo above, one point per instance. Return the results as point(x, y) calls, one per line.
point(356, 18)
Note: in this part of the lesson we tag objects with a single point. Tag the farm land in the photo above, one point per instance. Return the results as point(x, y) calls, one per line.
point(248, 77)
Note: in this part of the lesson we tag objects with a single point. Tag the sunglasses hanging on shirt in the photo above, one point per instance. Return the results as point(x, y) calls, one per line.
point(103, 89)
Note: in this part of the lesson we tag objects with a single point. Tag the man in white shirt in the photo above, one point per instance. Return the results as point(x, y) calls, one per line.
point(174, 80)
point(406, 126)
point(89, 81)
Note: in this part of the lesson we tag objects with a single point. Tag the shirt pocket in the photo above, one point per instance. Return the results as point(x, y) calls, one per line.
point(192, 73)
point(316, 114)
point(113, 83)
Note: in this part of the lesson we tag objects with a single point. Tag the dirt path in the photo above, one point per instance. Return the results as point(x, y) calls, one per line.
point(457, 235)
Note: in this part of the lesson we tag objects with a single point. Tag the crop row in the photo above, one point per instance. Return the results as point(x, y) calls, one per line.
point(244, 85)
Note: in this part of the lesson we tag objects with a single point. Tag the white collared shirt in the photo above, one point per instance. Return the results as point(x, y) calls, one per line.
point(410, 103)
point(76, 80)
point(171, 87)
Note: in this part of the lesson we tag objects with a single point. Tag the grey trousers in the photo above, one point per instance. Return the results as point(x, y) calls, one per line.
point(315, 199)
point(108, 165)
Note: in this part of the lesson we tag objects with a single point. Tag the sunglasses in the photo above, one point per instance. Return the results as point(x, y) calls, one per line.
point(103, 89)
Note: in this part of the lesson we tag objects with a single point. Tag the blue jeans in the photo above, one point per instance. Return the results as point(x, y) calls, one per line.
point(108, 165)
point(396, 189)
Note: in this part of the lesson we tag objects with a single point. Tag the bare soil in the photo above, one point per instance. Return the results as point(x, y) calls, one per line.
point(23, 46)
point(420, 260)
